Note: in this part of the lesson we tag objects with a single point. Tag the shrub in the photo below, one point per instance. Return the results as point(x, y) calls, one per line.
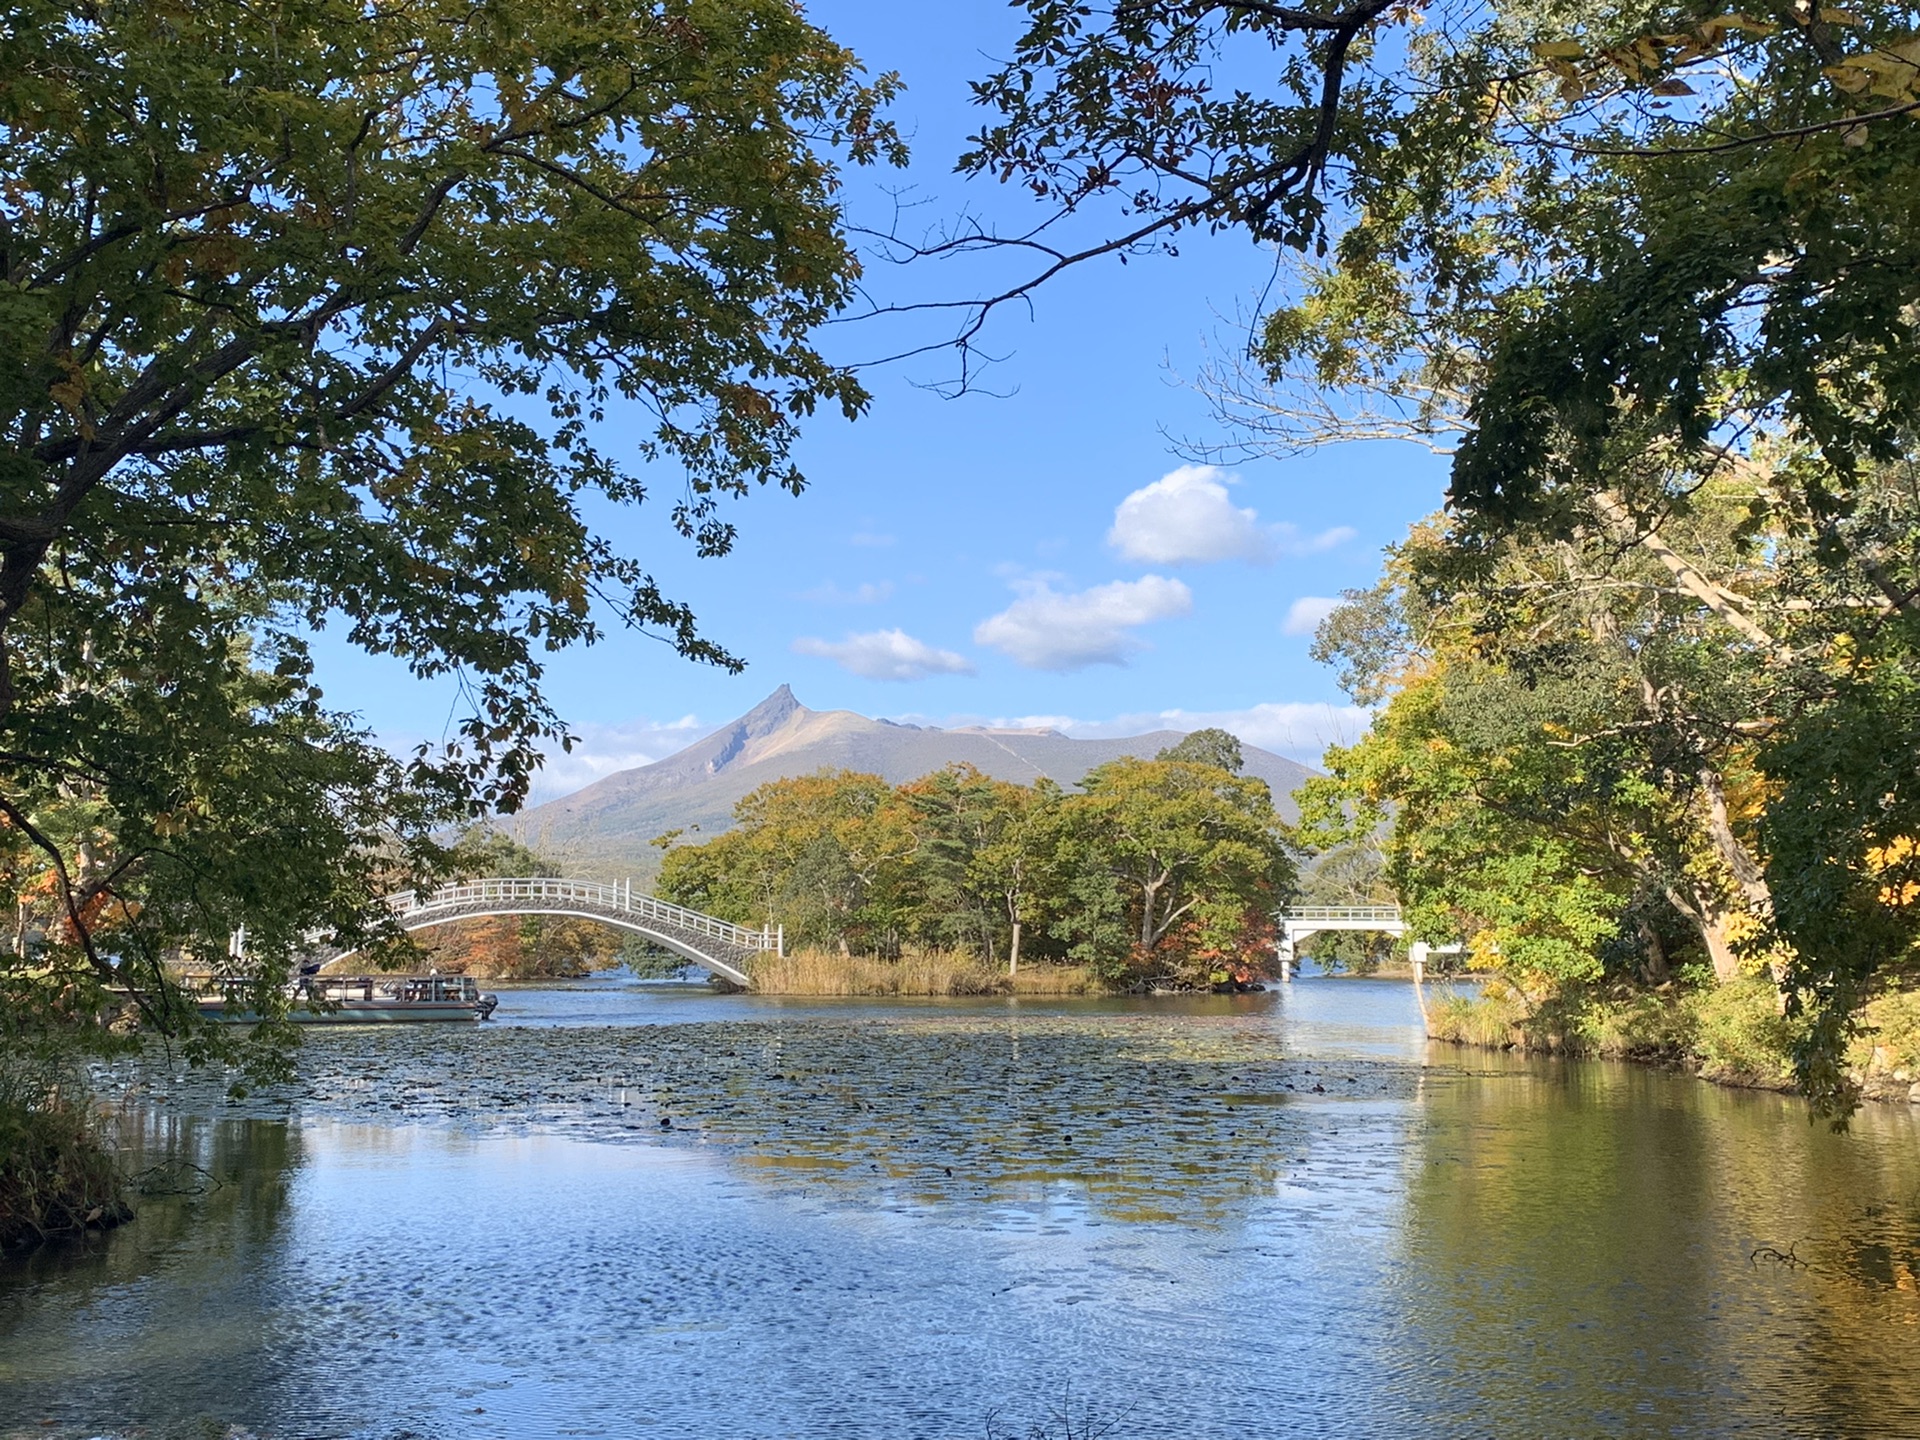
point(1740, 1037)
point(1638, 1025)
point(56, 1178)
point(1889, 1034)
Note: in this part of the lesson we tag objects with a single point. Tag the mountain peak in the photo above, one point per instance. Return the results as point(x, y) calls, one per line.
point(771, 715)
point(771, 712)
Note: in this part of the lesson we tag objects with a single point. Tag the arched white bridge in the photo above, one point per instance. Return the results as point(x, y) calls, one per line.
point(1299, 921)
point(720, 946)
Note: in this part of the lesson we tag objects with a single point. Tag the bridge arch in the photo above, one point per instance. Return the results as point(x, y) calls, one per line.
point(1297, 922)
point(715, 945)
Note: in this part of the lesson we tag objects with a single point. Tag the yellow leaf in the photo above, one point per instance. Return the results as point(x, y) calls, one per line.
point(1559, 50)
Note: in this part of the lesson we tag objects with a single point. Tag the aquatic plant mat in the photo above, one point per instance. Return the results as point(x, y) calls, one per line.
point(1150, 1117)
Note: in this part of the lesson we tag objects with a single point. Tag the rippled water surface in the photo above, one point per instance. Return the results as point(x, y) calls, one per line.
point(629, 1210)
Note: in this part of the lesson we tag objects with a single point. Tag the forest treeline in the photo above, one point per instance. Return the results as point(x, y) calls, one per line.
point(1163, 871)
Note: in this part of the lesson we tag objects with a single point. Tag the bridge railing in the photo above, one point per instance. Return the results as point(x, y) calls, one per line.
point(617, 898)
point(1353, 914)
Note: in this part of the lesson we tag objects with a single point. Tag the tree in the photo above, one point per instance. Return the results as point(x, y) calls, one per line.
point(1351, 873)
point(1218, 748)
point(1017, 863)
point(1192, 857)
point(1119, 108)
point(312, 314)
point(1584, 225)
point(1563, 756)
point(825, 856)
point(186, 803)
point(980, 850)
point(1157, 869)
point(1470, 854)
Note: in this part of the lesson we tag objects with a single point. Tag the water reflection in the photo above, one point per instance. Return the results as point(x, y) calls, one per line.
point(1599, 1243)
point(166, 1304)
point(1242, 1219)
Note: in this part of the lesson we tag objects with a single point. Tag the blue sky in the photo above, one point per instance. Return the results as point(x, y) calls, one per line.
point(1033, 555)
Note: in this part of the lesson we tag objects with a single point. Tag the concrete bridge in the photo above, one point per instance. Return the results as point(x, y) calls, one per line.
point(1299, 921)
point(715, 945)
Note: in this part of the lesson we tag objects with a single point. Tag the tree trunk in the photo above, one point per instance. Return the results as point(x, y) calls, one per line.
point(1707, 914)
point(1746, 870)
point(1148, 894)
point(1013, 951)
point(1655, 965)
point(1726, 964)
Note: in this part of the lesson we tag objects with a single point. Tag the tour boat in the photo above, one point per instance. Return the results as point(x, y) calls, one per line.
point(359, 999)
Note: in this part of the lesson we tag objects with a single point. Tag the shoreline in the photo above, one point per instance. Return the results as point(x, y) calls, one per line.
point(1731, 1036)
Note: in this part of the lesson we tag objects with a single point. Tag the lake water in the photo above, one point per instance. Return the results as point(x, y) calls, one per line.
point(629, 1210)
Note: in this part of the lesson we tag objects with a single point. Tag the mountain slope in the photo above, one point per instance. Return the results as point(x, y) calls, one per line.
point(603, 830)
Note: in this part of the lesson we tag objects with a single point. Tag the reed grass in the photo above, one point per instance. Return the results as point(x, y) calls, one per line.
point(1489, 1023)
point(920, 973)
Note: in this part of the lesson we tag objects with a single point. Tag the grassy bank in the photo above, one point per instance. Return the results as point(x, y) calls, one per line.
point(56, 1178)
point(933, 973)
point(1731, 1034)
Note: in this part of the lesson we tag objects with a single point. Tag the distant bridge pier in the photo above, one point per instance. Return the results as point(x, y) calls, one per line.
point(1420, 952)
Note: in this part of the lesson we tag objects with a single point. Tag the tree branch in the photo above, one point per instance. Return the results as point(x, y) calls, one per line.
point(1731, 608)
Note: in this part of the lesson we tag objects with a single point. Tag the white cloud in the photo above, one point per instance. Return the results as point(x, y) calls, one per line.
point(1306, 613)
point(1187, 518)
point(867, 592)
point(1184, 518)
point(1291, 542)
point(1047, 630)
point(602, 749)
point(1062, 723)
point(870, 539)
point(886, 655)
point(1292, 728)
